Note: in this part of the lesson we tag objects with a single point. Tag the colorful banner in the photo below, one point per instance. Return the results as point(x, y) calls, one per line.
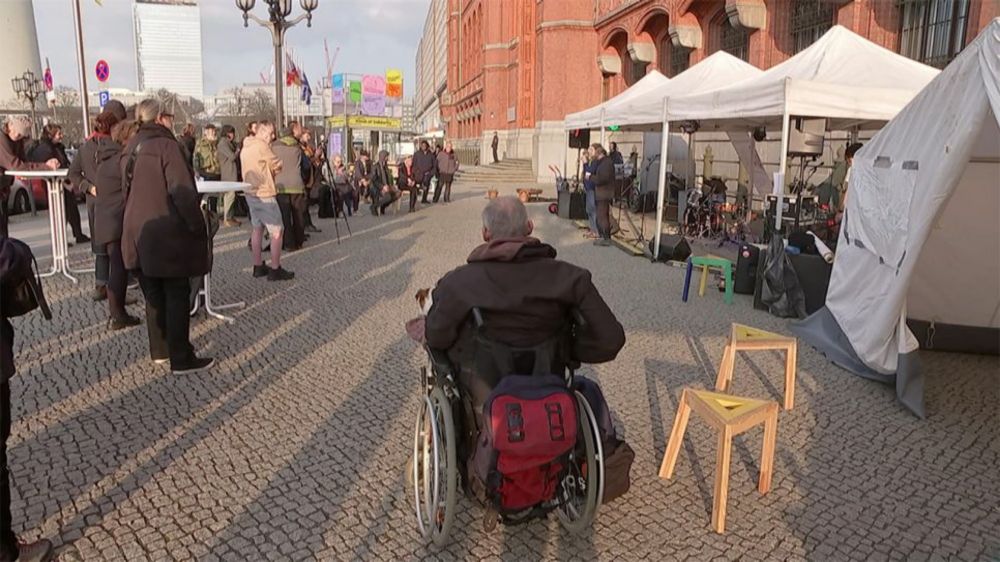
point(337, 87)
point(373, 95)
point(366, 122)
point(336, 145)
point(355, 91)
point(394, 83)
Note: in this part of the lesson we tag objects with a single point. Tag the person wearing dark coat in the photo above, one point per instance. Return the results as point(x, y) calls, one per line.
point(604, 192)
point(424, 164)
point(109, 210)
point(16, 131)
point(83, 174)
point(383, 192)
point(50, 147)
point(525, 295)
point(229, 157)
point(164, 236)
point(406, 180)
point(15, 267)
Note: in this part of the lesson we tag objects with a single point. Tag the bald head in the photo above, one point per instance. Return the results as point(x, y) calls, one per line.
point(506, 217)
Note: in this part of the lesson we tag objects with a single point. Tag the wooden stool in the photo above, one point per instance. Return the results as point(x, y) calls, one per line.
point(745, 338)
point(528, 194)
point(705, 262)
point(730, 415)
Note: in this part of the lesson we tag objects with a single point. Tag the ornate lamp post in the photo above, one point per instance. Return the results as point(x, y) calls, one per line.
point(29, 88)
point(278, 23)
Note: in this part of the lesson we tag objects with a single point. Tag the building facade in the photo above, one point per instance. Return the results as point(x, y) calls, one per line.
point(168, 46)
point(431, 69)
point(517, 67)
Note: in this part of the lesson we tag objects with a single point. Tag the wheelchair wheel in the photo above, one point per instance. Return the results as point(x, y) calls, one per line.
point(435, 472)
point(581, 490)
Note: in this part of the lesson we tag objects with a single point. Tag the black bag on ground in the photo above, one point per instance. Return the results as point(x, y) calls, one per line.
point(618, 456)
point(780, 290)
point(21, 290)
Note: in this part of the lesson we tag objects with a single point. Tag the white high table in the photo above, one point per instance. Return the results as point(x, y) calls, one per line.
point(57, 220)
point(204, 296)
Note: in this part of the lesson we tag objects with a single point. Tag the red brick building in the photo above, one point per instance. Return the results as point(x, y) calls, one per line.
point(519, 66)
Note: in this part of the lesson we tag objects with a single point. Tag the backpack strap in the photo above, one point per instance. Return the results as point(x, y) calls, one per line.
point(130, 169)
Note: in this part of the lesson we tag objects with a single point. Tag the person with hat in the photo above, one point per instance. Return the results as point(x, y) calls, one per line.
point(83, 175)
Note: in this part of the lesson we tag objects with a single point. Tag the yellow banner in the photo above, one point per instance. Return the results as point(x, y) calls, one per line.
point(367, 122)
point(394, 83)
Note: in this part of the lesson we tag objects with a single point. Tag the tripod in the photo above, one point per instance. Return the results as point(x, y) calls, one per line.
point(338, 206)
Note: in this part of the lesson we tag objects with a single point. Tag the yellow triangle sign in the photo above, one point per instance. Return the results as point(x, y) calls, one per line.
point(747, 333)
point(727, 407)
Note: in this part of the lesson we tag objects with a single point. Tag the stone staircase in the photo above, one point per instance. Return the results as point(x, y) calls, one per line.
point(504, 172)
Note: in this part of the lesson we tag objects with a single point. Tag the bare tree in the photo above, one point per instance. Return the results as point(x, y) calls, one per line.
point(261, 106)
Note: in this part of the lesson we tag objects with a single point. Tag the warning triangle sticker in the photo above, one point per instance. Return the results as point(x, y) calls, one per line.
point(727, 407)
point(747, 333)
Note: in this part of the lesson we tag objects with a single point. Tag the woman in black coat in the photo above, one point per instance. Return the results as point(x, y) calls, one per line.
point(109, 214)
point(604, 192)
point(50, 146)
point(83, 174)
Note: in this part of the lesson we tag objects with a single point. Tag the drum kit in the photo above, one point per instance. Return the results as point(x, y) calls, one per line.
point(708, 215)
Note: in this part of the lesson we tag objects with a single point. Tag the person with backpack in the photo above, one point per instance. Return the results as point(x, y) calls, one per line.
point(206, 157)
point(16, 270)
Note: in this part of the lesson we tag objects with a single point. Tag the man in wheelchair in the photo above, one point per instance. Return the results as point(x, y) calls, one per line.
point(525, 295)
point(514, 309)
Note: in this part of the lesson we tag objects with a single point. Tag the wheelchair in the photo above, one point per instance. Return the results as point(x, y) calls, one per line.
point(435, 463)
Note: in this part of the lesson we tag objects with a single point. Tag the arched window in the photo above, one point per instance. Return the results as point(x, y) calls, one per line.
point(933, 31)
point(810, 19)
point(680, 60)
point(734, 40)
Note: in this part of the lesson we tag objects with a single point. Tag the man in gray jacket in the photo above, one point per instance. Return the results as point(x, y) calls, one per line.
point(228, 156)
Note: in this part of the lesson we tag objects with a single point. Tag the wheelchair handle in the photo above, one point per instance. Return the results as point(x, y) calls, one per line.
point(477, 317)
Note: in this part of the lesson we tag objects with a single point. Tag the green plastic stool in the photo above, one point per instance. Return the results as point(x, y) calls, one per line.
point(706, 262)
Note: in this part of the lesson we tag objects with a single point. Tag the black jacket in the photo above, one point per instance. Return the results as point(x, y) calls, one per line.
point(164, 232)
point(109, 209)
point(526, 295)
point(604, 179)
point(83, 169)
point(46, 150)
point(423, 166)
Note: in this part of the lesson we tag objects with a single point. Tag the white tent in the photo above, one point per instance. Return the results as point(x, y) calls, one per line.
point(597, 116)
point(842, 76)
point(920, 234)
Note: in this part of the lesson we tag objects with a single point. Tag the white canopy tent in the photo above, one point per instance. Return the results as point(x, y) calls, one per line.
point(605, 113)
point(843, 77)
point(919, 239)
point(717, 71)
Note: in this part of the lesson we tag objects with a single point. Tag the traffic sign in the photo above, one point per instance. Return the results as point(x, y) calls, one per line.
point(105, 97)
point(103, 70)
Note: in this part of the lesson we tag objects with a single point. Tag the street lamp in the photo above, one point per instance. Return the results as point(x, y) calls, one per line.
point(278, 22)
point(30, 89)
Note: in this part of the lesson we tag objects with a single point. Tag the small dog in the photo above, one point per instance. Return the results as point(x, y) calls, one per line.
point(424, 301)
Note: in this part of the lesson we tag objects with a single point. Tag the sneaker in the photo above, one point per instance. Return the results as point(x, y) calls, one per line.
point(195, 365)
point(313, 229)
point(99, 294)
point(127, 321)
point(280, 274)
point(261, 270)
point(161, 361)
point(82, 239)
point(38, 551)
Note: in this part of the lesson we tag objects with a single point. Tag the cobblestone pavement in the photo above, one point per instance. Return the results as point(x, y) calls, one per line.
point(293, 446)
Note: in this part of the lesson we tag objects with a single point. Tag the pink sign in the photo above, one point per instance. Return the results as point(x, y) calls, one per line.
point(373, 85)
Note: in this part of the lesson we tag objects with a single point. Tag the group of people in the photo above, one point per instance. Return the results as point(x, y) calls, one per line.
point(417, 172)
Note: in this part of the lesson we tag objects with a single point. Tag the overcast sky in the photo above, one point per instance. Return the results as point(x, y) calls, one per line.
point(373, 35)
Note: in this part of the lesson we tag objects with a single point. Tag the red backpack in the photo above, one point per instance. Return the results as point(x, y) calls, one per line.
point(529, 427)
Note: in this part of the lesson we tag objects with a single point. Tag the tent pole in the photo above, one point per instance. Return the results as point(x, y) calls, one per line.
point(779, 187)
point(661, 186)
point(604, 144)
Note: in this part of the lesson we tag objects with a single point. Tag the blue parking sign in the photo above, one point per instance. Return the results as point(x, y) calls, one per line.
point(105, 97)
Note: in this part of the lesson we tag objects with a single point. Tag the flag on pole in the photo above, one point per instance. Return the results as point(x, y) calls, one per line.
point(47, 77)
point(307, 92)
point(292, 75)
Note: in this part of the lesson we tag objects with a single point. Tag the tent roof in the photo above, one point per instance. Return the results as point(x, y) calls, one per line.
point(717, 71)
point(591, 118)
point(842, 76)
